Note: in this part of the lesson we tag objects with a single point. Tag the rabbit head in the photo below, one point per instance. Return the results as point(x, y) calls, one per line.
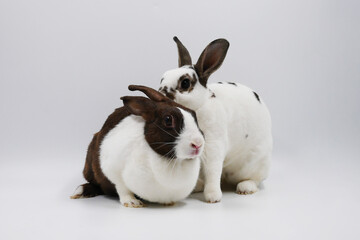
point(187, 84)
point(171, 130)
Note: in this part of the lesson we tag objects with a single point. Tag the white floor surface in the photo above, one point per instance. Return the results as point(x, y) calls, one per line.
point(305, 198)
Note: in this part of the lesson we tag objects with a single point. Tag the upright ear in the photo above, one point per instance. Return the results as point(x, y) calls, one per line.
point(211, 59)
point(140, 106)
point(184, 56)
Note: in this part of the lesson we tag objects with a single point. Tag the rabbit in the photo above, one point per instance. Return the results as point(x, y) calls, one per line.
point(149, 148)
point(235, 121)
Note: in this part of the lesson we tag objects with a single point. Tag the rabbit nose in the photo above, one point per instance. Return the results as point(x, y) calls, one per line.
point(197, 142)
point(195, 146)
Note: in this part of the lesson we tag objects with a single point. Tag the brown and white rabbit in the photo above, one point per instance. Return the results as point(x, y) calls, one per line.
point(148, 147)
point(235, 121)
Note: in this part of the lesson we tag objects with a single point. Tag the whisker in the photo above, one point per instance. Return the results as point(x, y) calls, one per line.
point(170, 143)
point(169, 153)
point(173, 167)
point(158, 143)
point(169, 163)
point(164, 145)
point(165, 131)
point(176, 132)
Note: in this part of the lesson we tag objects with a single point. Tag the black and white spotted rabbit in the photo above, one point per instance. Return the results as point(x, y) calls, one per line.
point(235, 121)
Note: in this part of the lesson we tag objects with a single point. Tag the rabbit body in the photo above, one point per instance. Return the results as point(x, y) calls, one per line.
point(149, 148)
point(126, 158)
point(238, 126)
point(235, 121)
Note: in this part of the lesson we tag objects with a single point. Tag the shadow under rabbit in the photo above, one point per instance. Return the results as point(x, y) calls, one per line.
point(226, 188)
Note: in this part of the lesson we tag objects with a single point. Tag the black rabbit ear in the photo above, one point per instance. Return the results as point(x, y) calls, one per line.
point(184, 56)
point(211, 59)
point(140, 106)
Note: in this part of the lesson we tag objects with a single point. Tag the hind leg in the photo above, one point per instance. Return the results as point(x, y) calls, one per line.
point(200, 183)
point(249, 180)
point(248, 175)
point(199, 186)
point(86, 190)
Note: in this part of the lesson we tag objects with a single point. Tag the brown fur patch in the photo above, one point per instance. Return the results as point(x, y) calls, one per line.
point(192, 79)
point(155, 132)
point(92, 171)
point(170, 95)
point(211, 59)
point(184, 56)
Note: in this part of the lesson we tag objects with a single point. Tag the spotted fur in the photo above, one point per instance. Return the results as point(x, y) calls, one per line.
point(227, 111)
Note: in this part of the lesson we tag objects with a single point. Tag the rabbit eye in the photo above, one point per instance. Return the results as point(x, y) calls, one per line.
point(185, 83)
point(169, 121)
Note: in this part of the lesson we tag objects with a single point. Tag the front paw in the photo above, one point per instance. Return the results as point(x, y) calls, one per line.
point(131, 202)
point(213, 196)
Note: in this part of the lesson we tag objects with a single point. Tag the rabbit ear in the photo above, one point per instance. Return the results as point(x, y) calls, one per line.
point(156, 96)
point(151, 93)
point(211, 59)
point(140, 106)
point(184, 56)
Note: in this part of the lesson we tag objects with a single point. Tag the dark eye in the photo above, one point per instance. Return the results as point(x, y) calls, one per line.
point(169, 121)
point(185, 83)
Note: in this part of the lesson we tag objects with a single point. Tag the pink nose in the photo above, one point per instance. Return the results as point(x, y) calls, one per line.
point(195, 146)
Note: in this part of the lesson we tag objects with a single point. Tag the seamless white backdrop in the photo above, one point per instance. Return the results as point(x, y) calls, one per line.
point(65, 64)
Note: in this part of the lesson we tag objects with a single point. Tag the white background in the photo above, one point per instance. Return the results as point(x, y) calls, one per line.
point(65, 64)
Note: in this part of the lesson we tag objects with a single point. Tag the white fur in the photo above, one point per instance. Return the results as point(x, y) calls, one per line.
point(128, 161)
point(237, 129)
point(78, 192)
point(246, 187)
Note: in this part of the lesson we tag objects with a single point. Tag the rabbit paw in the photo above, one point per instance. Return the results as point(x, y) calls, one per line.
point(213, 196)
point(131, 202)
point(246, 187)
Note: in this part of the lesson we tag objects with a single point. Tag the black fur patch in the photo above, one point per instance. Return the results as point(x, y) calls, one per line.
point(232, 83)
point(192, 79)
point(220, 83)
point(257, 96)
point(170, 94)
point(157, 133)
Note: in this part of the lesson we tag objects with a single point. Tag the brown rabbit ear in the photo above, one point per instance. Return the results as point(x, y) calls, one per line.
point(156, 96)
point(184, 56)
point(211, 59)
point(151, 93)
point(140, 106)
